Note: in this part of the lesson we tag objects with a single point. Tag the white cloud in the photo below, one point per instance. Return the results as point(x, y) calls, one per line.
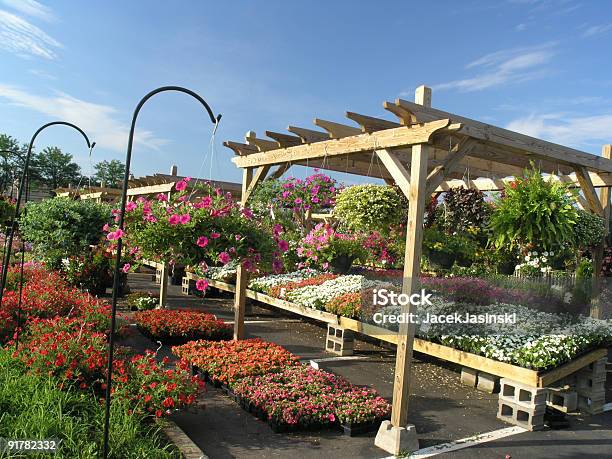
point(597, 30)
point(100, 122)
point(505, 67)
point(20, 37)
point(520, 27)
point(565, 128)
point(31, 8)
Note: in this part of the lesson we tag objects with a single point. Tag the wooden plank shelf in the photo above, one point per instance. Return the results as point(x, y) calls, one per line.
point(532, 378)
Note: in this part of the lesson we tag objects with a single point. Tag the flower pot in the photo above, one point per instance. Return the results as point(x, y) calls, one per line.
point(341, 264)
point(443, 260)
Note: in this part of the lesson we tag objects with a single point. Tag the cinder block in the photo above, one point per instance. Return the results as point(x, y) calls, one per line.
point(591, 406)
point(488, 383)
point(562, 399)
point(158, 276)
point(530, 419)
point(469, 376)
point(521, 394)
point(339, 341)
point(188, 286)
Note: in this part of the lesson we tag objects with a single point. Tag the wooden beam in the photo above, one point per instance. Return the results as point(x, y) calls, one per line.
point(240, 302)
point(280, 170)
point(589, 191)
point(308, 135)
point(247, 176)
point(406, 116)
point(514, 141)
point(261, 144)
point(604, 195)
point(458, 152)
point(371, 124)
point(240, 148)
point(336, 130)
point(396, 169)
point(414, 240)
point(389, 138)
point(284, 140)
point(261, 173)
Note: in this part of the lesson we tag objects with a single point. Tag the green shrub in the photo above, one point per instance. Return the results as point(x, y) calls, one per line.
point(62, 227)
point(589, 229)
point(534, 213)
point(370, 207)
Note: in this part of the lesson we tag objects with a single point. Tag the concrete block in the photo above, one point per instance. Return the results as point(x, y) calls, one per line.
point(339, 341)
point(488, 383)
point(397, 440)
point(521, 394)
point(562, 399)
point(469, 376)
point(528, 418)
point(187, 286)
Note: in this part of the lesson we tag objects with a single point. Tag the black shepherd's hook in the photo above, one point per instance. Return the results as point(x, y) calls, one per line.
point(22, 183)
point(128, 159)
point(7, 228)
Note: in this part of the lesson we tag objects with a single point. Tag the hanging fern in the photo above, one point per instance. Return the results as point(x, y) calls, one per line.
point(534, 212)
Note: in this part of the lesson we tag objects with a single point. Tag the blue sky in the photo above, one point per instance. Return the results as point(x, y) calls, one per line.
point(542, 67)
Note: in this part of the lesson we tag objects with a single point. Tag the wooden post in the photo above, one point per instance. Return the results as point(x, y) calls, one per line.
point(241, 274)
point(399, 435)
point(598, 254)
point(163, 285)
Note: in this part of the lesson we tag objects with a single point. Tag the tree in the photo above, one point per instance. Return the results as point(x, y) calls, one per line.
point(11, 164)
point(56, 169)
point(110, 173)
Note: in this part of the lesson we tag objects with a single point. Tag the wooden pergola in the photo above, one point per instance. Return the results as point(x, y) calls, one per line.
point(423, 151)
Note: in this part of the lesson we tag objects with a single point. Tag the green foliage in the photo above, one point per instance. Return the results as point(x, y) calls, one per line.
point(91, 271)
point(142, 301)
point(370, 207)
point(11, 161)
point(62, 227)
point(110, 173)
point(589, 229)
point(534, 212)
point(465, 211)
point(32, 406)
point(7, 209)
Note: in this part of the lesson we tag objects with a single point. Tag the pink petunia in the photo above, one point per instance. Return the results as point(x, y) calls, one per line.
point(181, 185)
point(174, 219)
point(202, 241)
point(283, 245)
point(185, 218)
point(106, 227)
point(215, 235)
point(161, 197)
point(224, 258)
point(130, 206)
point(201, 284)
point(206, 201)
point(126, 268)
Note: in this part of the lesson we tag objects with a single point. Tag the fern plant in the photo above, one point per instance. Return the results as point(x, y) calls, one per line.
point(534, 212)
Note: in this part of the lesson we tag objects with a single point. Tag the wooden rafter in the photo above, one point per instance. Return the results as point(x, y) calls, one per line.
point(284, 140)
point(370, 123)
point(406, 117)
point(241, 148)
point(389, 138)
point(512, 141)
point(280, 170)
point(337, 130)
point(261, 144)
point(308, 135)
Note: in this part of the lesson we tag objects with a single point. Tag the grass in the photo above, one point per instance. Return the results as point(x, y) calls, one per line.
point(32, 407)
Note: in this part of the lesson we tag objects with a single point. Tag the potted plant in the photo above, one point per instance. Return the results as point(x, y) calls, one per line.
point(325, 248)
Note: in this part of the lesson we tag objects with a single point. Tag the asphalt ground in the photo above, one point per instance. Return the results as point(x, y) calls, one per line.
point(442, 409)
